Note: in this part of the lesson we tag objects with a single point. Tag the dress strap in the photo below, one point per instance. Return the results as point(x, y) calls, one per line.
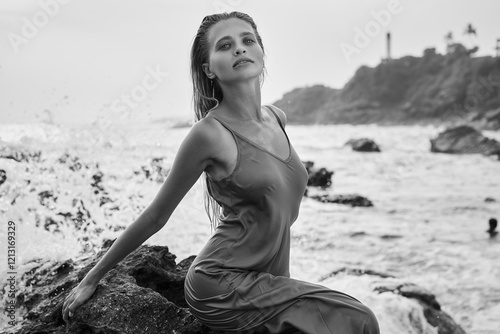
point(275, 115)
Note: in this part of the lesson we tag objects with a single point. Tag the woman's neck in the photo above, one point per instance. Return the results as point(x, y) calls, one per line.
point(242, 101)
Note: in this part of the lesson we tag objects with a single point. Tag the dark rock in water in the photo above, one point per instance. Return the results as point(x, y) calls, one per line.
point(3, 176)
point(390, 236)
point(363, 145)
point(318, 177)
point(143, 294)
point(352, 200)
point(432, 310)
point(464, 140)
point(487, 199)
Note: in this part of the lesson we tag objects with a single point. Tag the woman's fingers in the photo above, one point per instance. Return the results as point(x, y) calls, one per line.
point(68, 310)
point(75, 299)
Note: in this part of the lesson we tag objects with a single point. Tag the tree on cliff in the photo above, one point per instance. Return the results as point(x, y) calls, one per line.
point(470, 31)
point(448, 38)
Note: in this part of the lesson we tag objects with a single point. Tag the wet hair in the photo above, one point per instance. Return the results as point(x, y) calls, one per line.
point(207, 93)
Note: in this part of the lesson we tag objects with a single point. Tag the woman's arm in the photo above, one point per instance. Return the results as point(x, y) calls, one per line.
point(194, 156)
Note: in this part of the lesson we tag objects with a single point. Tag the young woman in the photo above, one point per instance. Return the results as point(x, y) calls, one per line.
point(255, 180)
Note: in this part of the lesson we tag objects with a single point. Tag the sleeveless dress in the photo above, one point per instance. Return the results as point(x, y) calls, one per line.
point(240, 280)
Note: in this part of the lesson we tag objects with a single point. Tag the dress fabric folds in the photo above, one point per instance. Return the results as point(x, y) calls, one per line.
point(240, 281)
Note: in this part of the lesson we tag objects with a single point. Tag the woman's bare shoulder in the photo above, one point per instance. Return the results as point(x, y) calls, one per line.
point(281, 114)
point(206, 132)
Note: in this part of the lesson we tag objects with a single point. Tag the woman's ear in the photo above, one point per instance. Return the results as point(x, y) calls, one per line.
point(207, 71)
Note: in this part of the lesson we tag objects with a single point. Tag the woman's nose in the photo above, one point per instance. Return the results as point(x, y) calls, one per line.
point(239, 50)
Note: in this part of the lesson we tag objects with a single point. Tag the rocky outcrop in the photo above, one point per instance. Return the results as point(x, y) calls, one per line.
point(145, 294)
point(464, 140)
point(451, 88)
point(363, 145)
point(142, 294)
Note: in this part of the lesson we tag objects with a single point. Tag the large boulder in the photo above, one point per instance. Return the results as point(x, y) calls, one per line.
point(464, 140)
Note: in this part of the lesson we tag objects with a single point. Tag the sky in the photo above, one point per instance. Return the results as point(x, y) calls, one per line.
point(76, 61)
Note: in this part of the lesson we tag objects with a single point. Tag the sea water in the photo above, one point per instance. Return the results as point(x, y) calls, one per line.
point(427, 225)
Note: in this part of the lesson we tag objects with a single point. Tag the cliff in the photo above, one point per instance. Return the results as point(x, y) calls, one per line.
point(450, 89)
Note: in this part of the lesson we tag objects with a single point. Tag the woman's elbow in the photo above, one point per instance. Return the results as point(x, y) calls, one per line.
point(155, 219)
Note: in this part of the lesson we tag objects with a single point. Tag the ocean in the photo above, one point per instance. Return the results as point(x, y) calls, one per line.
point(427, 226)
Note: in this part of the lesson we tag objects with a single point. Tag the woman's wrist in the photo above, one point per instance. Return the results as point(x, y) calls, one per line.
point(93, 277)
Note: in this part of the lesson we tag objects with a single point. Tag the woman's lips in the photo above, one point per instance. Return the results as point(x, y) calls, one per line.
point(242, 61)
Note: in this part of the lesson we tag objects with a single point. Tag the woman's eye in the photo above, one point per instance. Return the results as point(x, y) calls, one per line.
point(249, 41)
point(225, 46)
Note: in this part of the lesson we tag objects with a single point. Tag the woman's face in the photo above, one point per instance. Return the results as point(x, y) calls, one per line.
point(234, 53)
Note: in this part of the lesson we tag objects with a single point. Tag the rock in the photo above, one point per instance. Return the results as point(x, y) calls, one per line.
point(363, 145)
point(390, 236)
point(487, 199)
point(431, 308)
point(3, 176)
point(351, 199)
point(318, 177)
point(143, 294)
point(464, 140)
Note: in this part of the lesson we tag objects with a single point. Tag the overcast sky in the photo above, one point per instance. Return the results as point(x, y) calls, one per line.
point(75, 61)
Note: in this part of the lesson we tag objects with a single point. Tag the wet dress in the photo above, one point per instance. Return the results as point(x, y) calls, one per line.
point(240, 281)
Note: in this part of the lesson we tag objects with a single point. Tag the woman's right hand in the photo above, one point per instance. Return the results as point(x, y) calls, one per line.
point(76, 298)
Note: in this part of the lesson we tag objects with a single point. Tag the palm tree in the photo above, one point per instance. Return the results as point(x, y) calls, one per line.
point(448, 38)
point(470, 30)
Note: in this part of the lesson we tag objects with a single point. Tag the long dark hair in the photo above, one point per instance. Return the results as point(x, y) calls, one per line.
point(207, 93)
